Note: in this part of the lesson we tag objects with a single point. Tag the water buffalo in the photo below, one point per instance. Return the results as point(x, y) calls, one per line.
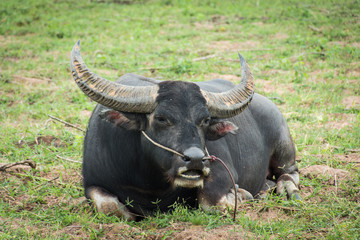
point(147, 143)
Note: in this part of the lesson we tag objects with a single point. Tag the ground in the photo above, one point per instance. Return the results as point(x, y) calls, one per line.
point(331, 178)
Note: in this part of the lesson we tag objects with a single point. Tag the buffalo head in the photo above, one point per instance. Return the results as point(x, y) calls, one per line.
point(178, 115)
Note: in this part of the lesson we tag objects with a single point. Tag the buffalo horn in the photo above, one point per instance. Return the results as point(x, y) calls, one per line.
point(232, 102)
point(136, 99)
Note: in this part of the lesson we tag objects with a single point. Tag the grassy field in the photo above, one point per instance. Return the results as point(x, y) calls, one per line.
point(305, 56)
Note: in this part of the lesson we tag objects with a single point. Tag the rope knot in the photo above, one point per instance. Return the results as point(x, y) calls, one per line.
point(212, 158)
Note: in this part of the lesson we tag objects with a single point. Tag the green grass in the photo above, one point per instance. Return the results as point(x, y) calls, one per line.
point(304, 56)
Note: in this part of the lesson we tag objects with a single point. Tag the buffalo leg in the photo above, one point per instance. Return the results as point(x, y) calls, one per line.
point(283, 168)
point(108, 203)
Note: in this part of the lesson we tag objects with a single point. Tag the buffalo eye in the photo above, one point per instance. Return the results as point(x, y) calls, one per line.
point(205, 122)
point(163, 120)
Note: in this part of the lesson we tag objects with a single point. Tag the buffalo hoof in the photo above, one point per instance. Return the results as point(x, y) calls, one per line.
point(267, 188)
point(287, 185)
point(296, 197)
point(228, 200)
point(108, 203)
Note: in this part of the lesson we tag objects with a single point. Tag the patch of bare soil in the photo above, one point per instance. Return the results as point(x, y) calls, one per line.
point(344, 44)
point(229, 77)
point(22, 174)
point(258, 24)
point(280, 36)
point(350, 158)
point(353, 72)
point(339, 43)
point(317, 76)
point(265, 214)
point(179, 231)
point(265, 56)
point(351, 102)
point(29, 81)
point(186, 231)
point(43, 140)
point(331, 175)
point(86, 113)
point(65, 175)
point(269, 87)
point(225, 46)
point(340, 120)
point(355, 44)
point(272, 72)
point(204, 25)
point(107, 73)
point(212, 23)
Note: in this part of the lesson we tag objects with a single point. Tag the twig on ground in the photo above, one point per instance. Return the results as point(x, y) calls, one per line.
point(66, 123)
point(29, 162)
point(68, 159)
point(352, 150)
point(40, 185)
point(204, 57)
point(315, 29)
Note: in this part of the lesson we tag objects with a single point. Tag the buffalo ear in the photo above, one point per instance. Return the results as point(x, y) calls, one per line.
point(219, 129)
point(128, 121)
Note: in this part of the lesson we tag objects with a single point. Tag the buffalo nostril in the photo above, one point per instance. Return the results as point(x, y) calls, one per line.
point(193, 153)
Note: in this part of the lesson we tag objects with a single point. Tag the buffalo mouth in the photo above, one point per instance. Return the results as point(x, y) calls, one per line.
point(191, 174)
point(190, 178)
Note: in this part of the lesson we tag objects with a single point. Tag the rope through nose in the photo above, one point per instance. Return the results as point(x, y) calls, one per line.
point(161, 146)
point(212, 158)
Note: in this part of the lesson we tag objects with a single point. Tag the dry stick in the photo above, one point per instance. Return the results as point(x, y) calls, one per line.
point(352, 150)
point(204, 58)
point(40, 185)
point(29, 162)
point(68, 159)
point(66, 123)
